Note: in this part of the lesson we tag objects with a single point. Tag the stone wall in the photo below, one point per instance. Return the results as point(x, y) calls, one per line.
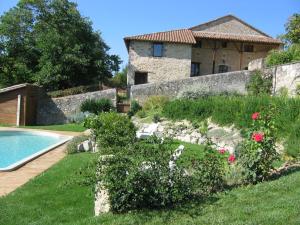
point(57, 110)
point(224, 82)
point(285, 76)
point(175, 63)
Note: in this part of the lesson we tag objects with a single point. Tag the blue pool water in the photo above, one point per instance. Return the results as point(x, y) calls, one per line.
point(15, 146)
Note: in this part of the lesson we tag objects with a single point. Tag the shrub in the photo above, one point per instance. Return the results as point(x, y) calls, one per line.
point(155, 102)
point(142, 178)
point(258, 153)
point(283, 92)
point(78, 117)
point(259, 84)
point(72, 145)
point(134, 108)
point(96, 106)
point(112, 129)
point(73, 91)
point(277, 57)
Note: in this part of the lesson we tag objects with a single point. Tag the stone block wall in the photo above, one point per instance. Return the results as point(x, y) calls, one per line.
point(286, 76)
point(57, 110)
point(224, 82)
point(175, 63)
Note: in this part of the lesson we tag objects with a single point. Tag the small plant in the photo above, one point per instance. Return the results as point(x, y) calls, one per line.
point(111, 129)
point(155, 102)
point(259, 84)
point(258, 152)
point(96, 106)
point(134, 108)
point(283, 92)
point(298, 89)
point(156, 118)
point(141, 114)
point(72, 145)
point(78, 117)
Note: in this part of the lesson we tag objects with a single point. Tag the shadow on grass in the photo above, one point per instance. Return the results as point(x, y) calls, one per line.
point(192, 208)
point(284, 171)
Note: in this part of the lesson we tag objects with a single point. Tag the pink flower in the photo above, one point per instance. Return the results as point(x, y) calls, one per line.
point(255, 115)
point(231, 158)
point(258, 137)
point(222, 150)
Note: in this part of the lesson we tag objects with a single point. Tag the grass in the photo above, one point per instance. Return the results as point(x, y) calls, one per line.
point(238, 110)
point(73, 127)
point(59, 196)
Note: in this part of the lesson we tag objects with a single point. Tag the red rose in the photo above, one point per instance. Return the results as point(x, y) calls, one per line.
point(255, 115)
point(258, 137)
point(222, 150)
point(231, 158)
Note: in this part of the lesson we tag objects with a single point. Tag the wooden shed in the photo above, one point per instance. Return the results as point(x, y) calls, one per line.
point(18, 104)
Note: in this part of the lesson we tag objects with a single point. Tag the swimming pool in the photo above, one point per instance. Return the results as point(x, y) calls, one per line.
point(19, 147)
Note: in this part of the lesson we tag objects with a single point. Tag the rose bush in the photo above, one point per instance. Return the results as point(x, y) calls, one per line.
point(257, 152)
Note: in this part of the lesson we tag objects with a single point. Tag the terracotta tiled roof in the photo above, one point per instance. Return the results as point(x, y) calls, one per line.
point(235, 37)
point(184, 36)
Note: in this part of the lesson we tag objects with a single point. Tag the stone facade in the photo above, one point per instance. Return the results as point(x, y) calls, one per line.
point(227, 25)
point(231, 55)
point(57, 110)
point(175, 63)
point(224, 82)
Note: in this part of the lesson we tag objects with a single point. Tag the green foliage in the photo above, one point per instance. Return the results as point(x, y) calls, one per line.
point(141, 114)
point(119, 80)
point(277, 57)
point(298, 89)
point(72, 145)
point(292, 28)
point(259, 84)
point(50, 43)
point(257, 155)
point(226, 110)
point(73, 91)
point(134, 108)
point(112, 129)
point(283, 92)
point(96, 106)
point(156, 118)
point(293, 140)
point(141, 177)
point(155, 102)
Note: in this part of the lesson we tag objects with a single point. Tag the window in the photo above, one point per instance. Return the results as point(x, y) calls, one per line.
point(157, 49)
point(224, 44)
point(248, 48)
point(198, 44)
point(195, 69)
point(223, 68)
point(140, 78)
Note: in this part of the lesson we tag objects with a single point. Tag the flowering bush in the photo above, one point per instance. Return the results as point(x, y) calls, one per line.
point(258, 152)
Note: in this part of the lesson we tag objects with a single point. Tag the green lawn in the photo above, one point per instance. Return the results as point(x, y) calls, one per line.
point(62, 127)
point(58, 197)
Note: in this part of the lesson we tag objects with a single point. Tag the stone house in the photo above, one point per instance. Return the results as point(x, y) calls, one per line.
point(221, 45)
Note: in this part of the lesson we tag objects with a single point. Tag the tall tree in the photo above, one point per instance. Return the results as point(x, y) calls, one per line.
point(48, 42)
point(292, 28)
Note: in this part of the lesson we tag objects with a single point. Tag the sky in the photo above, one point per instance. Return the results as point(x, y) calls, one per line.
point(116, 19)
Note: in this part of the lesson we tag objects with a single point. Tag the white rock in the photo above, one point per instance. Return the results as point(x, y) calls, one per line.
point(87, 145)
point(102, 204)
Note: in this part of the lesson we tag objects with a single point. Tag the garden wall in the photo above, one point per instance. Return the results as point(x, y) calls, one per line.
point(57, 110)
point(223, 82)
point(284, 76)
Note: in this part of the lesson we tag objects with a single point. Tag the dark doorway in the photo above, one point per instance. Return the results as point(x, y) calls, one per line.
point(140, 78)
